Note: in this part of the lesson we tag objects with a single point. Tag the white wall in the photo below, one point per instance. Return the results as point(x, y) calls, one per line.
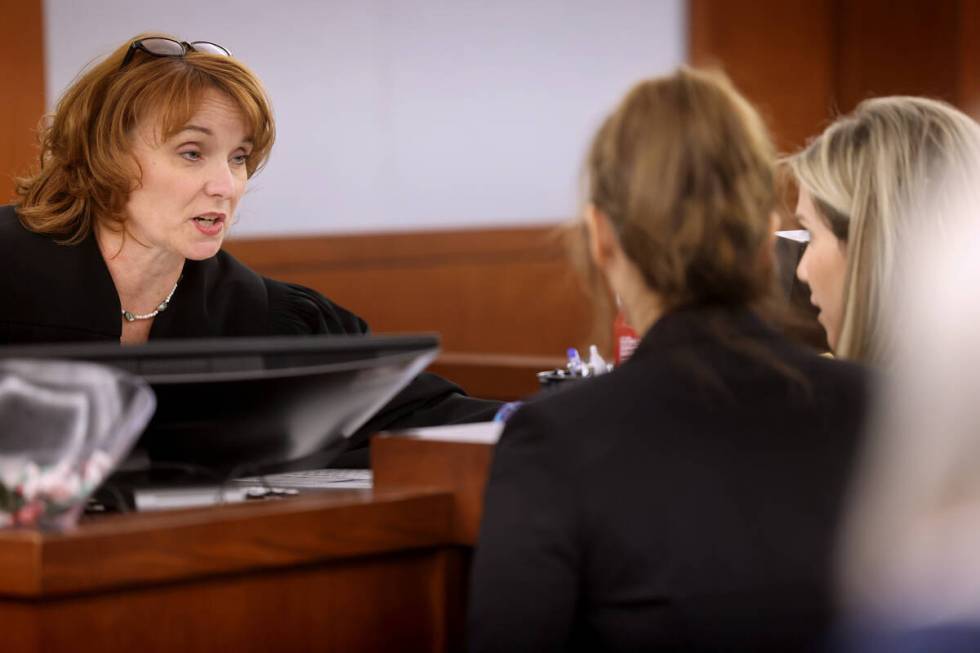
point(399, 115)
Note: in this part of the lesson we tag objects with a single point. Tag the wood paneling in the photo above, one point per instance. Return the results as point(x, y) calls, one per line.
point(461, 468)
point(778, 52)
point(896, 47)
point(180, 545)
point(22, 104)
point(969, 69)
point(394, 603)
point(495, 376)
point(497, 291)
point(325, 571)
point(804, 61)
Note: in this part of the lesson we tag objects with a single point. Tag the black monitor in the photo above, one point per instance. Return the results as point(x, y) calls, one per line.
point(241, 405)
point(790, 246)
point(800, 320)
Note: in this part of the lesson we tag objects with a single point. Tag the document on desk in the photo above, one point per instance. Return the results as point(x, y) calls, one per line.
point(342, 479)
point(171, 498)
point(476, 433)
point(256, 487)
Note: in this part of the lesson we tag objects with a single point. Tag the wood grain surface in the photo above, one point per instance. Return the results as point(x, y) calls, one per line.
point(505, 377)
point(396, 602)
point(494, 291)
point(175, 545)
point(460, 468)
point(22, 103)
point(802, 62)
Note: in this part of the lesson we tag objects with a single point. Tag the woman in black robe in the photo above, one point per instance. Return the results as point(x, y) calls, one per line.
point(118, 236)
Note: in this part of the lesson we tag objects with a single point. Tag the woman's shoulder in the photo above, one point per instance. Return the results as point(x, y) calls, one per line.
point(296, 309)
point(19, 246)
point(12, 232)
point(232, 299)
point(585, 404)
point(836, 376)
point(754, 348)
point(670, 387)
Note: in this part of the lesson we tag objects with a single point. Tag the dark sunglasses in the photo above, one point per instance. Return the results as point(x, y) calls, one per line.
point(163, 47)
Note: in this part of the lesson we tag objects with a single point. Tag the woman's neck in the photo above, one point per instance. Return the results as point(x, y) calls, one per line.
point(143, 276)
point(643, 308)
point(641, 305)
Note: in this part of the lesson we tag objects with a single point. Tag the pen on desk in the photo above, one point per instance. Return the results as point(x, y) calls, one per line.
point(575, 366)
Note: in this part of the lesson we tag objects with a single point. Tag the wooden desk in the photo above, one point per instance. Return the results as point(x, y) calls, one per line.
point(356, 570)
point(458, 468)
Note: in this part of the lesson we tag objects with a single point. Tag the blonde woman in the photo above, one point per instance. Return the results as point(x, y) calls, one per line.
point(862, 186)
point(910, 556)
point(687, 500)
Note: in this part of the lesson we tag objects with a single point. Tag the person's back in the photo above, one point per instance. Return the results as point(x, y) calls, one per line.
point(692, 495)
point(689, 499)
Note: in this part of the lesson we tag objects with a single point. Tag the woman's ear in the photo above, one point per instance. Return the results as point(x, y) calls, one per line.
point(603, 244)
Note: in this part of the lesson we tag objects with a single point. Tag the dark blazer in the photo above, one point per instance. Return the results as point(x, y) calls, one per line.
point(686, 501)
point(61, 293)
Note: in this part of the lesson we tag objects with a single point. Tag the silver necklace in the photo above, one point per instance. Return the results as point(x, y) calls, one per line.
point(129, 316)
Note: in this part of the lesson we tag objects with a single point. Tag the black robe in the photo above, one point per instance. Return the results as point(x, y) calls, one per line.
point(60, 293)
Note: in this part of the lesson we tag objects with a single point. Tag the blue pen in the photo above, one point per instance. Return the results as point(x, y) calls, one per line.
point(575, 365)
point(508, 409)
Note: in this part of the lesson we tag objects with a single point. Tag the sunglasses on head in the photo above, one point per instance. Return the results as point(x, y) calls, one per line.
point(164, 47)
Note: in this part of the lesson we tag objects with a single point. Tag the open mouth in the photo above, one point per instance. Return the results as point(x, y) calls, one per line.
point(211, 225)
point(208, 220)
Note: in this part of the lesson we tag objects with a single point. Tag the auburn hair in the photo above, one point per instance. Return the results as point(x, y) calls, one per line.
point(87, 170)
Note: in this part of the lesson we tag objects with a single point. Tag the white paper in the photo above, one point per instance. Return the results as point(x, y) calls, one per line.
point(799, 235)
point(477, 432)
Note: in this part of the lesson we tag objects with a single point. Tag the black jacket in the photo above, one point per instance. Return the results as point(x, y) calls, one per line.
point(60, 293)
point(686, 501)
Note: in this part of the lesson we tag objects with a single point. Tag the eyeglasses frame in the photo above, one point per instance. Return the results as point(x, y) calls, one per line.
point(186, 47)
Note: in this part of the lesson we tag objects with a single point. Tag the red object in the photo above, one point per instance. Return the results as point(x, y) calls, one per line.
point(624, 339)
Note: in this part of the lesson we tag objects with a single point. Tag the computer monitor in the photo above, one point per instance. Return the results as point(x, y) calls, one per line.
point(241, 405)
point(800, 320)
point(790, 246)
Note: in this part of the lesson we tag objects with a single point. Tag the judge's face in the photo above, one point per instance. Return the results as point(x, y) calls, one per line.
point(823, 267)
point(191, 182)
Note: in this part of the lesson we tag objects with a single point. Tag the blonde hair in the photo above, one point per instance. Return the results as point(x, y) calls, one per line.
point(871, 175)
point(683, 168)
point(915, 503)
point(87, 170)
